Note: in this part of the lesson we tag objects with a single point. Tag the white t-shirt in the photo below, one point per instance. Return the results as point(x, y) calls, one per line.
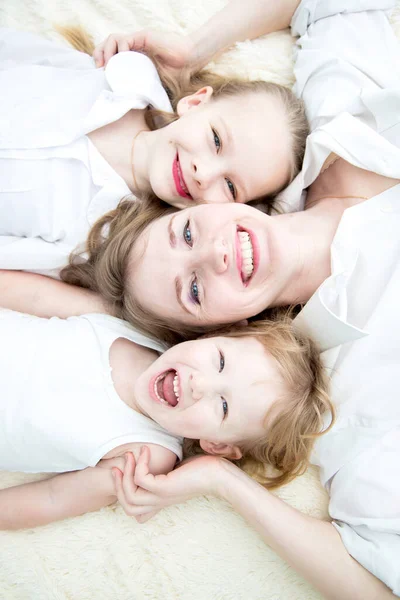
point(354, 315)
point(54, 184)
point(59, 410)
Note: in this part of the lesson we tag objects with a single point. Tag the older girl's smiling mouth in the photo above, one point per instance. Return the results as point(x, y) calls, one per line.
point(180, 184)
point(247, 254)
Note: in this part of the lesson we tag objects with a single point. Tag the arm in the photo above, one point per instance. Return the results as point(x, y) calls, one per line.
point(75, 493)
point(237, 21)
point(310, 546)
point(57, 498)
point(45, 297)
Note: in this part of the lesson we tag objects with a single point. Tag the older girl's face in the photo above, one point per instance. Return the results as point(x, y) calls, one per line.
point(208, 265)
point(233, 149)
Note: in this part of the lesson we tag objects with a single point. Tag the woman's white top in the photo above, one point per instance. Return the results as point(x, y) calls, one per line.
point(59, 410)
point(347, 69)
point(355, 316)
point(54, 184)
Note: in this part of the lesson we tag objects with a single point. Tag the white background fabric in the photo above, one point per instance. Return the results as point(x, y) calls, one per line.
point(201, 550)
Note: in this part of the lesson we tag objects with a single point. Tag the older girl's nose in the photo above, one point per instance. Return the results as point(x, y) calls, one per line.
point(204, 172)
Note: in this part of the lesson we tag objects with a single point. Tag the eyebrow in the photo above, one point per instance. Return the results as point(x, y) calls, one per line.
point(178, 291)
point(172, 236)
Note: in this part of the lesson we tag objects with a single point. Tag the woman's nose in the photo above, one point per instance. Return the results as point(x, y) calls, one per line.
point(217, 256)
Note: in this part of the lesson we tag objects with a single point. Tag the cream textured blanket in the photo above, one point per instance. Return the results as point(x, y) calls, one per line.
point(201, 550)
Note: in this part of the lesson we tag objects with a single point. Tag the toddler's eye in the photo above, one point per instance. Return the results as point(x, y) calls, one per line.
point(217, 140)
point(221, 361)
point(194, 291)
point(232, 188)
point(224, 407)
point(187, 234)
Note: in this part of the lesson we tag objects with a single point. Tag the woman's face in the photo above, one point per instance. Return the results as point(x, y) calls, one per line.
point(217, 389)
point(233, 149)
point(209, 265)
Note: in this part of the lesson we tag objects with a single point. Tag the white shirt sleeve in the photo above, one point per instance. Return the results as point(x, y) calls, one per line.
point(377, 551)
point(346, 48)
point(24, 48)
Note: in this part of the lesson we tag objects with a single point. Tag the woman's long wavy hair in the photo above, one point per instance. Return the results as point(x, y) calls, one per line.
point(297, 420)
point(185, 84)
point(104, 263)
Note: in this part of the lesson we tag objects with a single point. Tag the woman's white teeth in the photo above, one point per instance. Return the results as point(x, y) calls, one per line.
point(247, 254)
point(176, 387)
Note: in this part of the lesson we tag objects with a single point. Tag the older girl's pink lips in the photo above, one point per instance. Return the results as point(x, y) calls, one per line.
point(175, 174)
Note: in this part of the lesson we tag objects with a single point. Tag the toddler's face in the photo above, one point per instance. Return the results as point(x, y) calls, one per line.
point(215, 389)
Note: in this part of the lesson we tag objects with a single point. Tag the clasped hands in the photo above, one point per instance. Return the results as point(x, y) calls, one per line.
point(142, 494)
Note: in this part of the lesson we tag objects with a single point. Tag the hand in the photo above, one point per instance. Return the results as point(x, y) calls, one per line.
point(174, 51)
point(142, 494)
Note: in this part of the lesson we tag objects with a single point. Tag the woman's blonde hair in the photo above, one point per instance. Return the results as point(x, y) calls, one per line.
point(185, 84)
point(297, 418)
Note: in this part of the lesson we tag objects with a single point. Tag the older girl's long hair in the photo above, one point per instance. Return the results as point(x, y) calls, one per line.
point(185, 83)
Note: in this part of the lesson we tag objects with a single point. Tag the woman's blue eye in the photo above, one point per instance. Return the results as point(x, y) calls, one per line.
point(232, 188)
point(224, 407)
point(217, 141)
point(221, 362)
point(194, 291)
point(187, 234)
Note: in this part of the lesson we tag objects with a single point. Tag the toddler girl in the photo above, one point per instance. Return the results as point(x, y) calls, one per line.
point(79, 393)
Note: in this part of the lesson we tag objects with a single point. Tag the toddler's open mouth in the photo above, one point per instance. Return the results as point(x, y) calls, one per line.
point(166, 387)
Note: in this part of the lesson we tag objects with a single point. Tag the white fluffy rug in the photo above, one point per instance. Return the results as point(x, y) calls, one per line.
point(200, 550)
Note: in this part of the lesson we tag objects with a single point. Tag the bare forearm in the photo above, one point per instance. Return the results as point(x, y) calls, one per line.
point(238, 21)
point(312, 547)
point(45, 297)
point(57, 498)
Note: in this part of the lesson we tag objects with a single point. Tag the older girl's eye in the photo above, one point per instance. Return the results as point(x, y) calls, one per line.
point(217, 140)
point(224, 407)
point(194, 291)
point(231, 188)
point(187, 234)
point(221, 361)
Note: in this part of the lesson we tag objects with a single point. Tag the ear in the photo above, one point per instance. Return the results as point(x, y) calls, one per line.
point(200, 97)
point(225, 450)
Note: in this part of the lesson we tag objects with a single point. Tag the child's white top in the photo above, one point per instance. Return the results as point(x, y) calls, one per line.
point(54, 184)
point(59, 410)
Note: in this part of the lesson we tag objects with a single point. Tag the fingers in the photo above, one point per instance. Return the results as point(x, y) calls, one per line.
point(128, 484)
point(118, 43)
point(146, 517)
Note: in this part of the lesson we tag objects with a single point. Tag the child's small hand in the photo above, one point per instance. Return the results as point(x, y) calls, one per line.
point(172, 50)
point(142, 494)
point(133, 500)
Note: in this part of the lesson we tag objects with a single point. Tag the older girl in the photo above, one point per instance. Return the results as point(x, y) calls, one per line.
point(74, 140)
